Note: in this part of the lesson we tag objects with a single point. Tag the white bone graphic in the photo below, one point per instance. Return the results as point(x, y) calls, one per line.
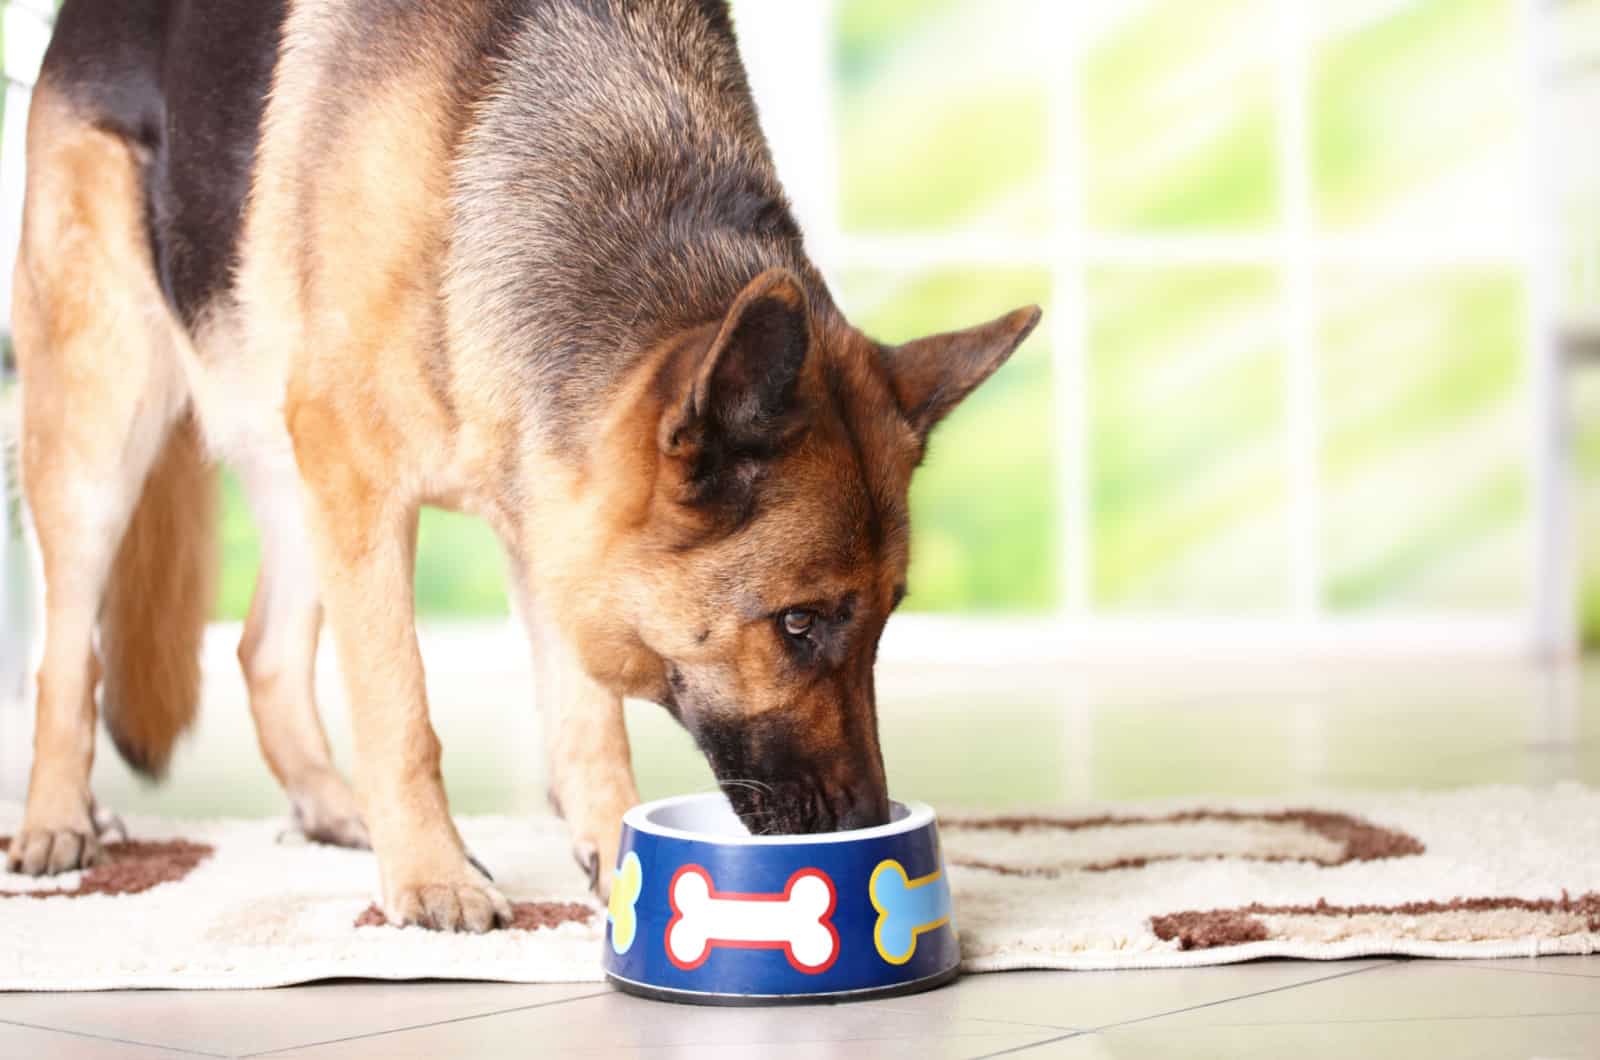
point(797, 921)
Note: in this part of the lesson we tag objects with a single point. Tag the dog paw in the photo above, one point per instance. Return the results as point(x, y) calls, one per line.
point(36, 851)
point(596, 824)
point(325, 811)
point(458, 906)
point(60, 832)
point(597, 858)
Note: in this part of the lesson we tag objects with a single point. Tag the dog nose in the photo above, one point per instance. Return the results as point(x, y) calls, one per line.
point(867, 809)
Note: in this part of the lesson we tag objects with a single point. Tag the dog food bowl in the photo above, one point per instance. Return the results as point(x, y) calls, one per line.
point(701, 911)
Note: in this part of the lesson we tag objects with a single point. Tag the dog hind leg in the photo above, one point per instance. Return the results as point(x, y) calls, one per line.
point(101, 393)
point(278, 655)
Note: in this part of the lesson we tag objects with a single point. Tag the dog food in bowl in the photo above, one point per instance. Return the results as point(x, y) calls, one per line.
point(702, 911)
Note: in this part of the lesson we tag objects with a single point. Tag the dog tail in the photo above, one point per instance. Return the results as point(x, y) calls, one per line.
point(156, 605)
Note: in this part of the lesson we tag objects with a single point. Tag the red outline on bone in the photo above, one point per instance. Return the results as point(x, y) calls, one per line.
point(779, 942)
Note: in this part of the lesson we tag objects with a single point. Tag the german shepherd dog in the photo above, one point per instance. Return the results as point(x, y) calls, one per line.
point(525, 259)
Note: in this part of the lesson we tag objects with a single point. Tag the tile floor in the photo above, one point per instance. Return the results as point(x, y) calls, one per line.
point(1415, 1009)
point(1061, 735)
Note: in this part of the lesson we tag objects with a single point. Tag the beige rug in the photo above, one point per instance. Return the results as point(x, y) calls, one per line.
point(1490, 872)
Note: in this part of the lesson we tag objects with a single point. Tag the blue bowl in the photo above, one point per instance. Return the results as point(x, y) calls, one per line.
point(701, 911)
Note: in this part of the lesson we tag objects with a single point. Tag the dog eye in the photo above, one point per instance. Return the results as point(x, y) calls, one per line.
point(798, 623)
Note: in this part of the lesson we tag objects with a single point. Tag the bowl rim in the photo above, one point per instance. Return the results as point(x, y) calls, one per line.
point(919, 815)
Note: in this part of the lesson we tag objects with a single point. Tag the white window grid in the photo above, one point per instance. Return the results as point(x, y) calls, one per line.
point(790, 45)
point(782, 58)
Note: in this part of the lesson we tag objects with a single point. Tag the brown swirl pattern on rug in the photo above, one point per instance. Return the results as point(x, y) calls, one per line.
point(128, 866)
point(1459, 920)
point(525, 916)
point(1197, 835)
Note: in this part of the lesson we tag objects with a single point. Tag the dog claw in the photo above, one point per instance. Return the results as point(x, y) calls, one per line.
point(588, 858)
point(475, 863)
point(108, 822)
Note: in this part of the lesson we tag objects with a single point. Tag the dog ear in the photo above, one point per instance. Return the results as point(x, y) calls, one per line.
point(741, 403)
point(932, 375)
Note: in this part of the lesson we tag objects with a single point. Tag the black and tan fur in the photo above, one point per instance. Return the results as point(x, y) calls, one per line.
point(527, 259)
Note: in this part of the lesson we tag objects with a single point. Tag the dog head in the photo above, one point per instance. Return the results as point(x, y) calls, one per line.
point(774, 541)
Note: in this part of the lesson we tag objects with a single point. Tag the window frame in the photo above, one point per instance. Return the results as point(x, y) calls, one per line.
point(1294, 250)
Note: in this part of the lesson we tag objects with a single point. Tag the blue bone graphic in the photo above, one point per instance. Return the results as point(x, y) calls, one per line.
point(906, 908)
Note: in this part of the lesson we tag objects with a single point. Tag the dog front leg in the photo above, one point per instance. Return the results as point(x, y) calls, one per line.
point(366, 544)
point(586, 753)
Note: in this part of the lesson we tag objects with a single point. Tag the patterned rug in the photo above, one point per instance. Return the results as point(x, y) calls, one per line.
point(1489, 872)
